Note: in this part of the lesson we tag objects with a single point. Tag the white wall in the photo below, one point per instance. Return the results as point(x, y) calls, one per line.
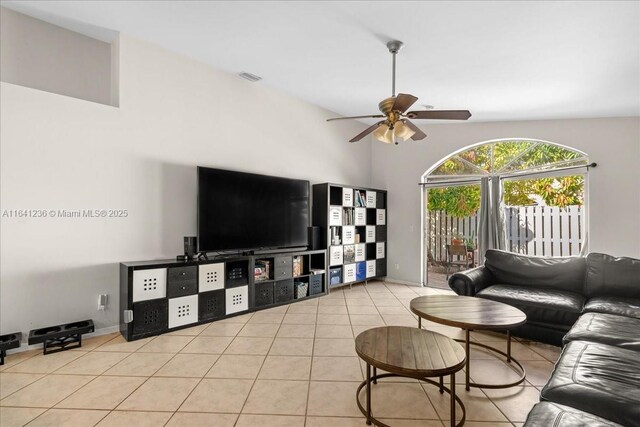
point(614, 186)
point(59, 152)
point(47, 57)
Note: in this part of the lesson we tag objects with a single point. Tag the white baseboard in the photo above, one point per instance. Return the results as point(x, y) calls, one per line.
point(402, 282)
point(96, 333)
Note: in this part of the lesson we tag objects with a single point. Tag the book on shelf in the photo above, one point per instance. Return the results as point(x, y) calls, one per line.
point(358, 199)
point(261, 270)
point(347, 217)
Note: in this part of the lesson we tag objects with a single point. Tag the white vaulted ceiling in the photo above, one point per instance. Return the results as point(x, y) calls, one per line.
point(500, 60)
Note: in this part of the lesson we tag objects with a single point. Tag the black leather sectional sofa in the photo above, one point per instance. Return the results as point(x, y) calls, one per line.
point(589, 305)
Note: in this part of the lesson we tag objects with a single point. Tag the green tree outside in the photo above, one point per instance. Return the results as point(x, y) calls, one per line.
point(509, 157)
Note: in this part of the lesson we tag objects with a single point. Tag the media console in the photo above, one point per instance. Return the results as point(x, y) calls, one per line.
point(167, 295)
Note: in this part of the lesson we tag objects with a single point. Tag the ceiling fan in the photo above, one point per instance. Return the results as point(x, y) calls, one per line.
point(396, 124)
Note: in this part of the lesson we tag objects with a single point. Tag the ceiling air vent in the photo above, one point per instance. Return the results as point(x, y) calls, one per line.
point(250, 77)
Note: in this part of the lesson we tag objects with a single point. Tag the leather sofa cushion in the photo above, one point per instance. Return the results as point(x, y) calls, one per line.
point(561, 273)
point(560, 308)
point(614, 277)
point(598, 378)
point(611, 305)
point(545, 414)
point(619, 331)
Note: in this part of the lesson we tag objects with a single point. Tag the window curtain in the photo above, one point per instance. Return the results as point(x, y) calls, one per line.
point(585, 250)
point(491, 230)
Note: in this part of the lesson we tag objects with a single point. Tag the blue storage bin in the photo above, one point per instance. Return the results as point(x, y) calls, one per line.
point(335, 276)
point(361, 271)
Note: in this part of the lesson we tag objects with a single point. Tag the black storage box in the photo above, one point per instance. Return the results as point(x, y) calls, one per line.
point(315, 284)
point(283, 290)
point(264, 294)
point(150, 317)
point(182, 281)
point(237, 274)
point(211, 305)
point(381, 267)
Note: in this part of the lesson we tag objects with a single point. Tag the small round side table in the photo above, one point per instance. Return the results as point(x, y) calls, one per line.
point(412, 353)
point(470, 313)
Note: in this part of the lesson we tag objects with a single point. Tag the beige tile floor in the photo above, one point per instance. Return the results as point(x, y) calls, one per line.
point(293, 365)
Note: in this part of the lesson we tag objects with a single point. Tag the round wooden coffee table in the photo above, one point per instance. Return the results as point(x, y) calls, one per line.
point(470, 313)
point(413, 353)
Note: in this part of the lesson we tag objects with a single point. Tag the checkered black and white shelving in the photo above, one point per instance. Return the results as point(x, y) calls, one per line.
point(353, 222)
point(161, 296)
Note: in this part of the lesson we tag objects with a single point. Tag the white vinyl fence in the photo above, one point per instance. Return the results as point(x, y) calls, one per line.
point(531, 230)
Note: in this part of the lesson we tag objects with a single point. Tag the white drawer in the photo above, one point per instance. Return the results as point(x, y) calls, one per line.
point(349, 273)
point(347, 197)
point(371, 199)
point(348, 235)
point(381, 217)
point(379, 250)
point(335, 255)
point(360, 216)
point(149, 284)
point(371, 233)
point(237, 299)
point(371, 269)
point(211, 277)
point(335, 215)
point(360, 252)
point(183, 310)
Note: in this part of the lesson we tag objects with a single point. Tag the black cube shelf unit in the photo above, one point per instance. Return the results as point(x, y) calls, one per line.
point(353, 224)
point(166, 295)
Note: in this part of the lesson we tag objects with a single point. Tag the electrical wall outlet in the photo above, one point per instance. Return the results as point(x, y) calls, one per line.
point(102, 302)
point(397, 266)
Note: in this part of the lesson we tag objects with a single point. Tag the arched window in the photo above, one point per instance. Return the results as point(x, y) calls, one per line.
point(542, 200)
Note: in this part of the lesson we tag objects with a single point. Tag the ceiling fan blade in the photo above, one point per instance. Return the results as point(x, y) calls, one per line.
point(365, 132)
point(403, 102)
point(440, 115)
point(376, 116)
point(418, 133)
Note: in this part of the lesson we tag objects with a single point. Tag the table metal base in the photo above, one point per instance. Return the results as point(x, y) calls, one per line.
point(374, 379)
point(510, 359)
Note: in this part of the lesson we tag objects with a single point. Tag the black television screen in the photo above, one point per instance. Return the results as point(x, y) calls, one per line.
point(239, 210)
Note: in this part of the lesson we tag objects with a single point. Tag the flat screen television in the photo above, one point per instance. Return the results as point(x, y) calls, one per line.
point(245, 211)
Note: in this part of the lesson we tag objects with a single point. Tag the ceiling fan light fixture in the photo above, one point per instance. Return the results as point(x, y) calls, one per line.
point(385, 134)
point(403, 131)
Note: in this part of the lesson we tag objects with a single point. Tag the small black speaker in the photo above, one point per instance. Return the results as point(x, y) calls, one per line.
point(190, 246)
point(314, 238)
